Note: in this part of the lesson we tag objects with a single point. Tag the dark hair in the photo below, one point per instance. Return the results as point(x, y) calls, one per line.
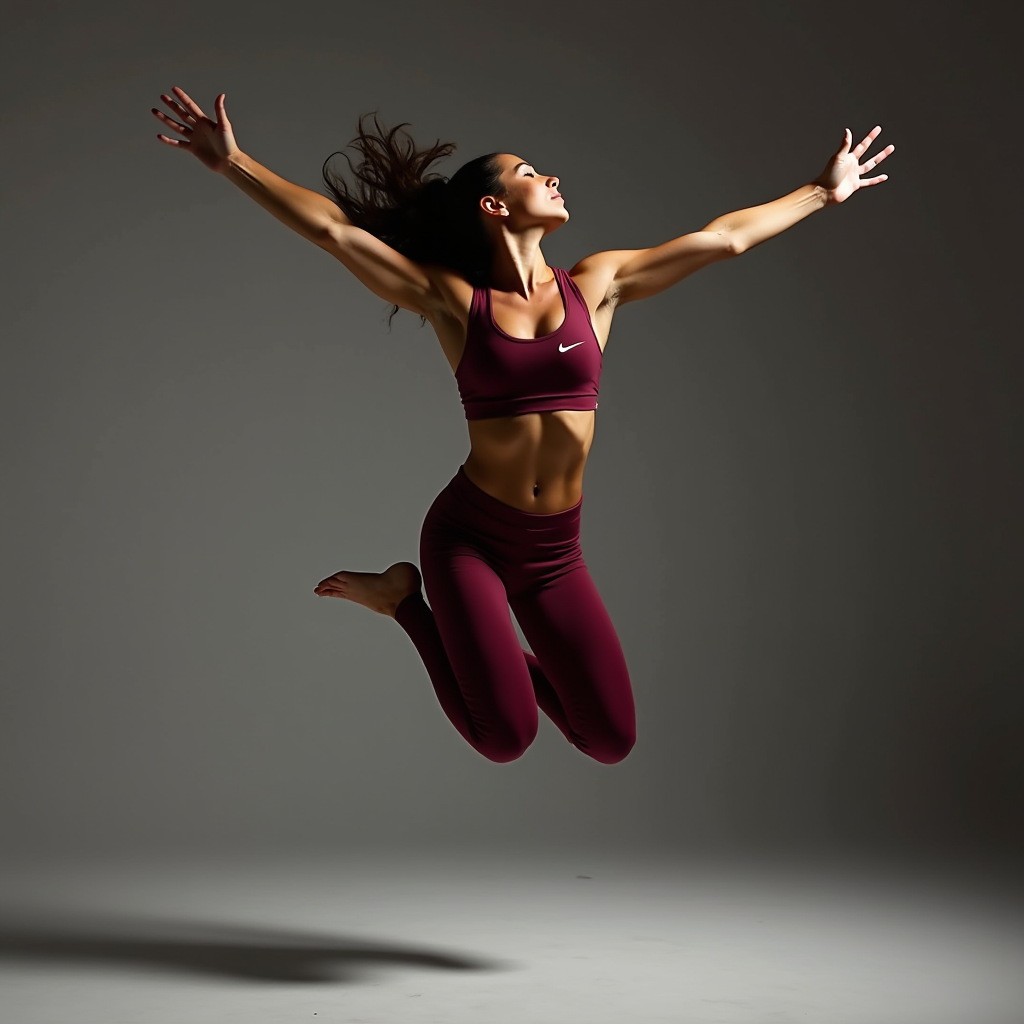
point(425, 216)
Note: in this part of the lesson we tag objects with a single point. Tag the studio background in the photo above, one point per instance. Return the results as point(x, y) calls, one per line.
point(802, 507)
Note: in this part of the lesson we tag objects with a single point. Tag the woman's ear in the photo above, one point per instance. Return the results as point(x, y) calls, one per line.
point(494, 207)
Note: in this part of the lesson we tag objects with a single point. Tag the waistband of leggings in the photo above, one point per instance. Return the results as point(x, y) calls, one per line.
point(488, 504)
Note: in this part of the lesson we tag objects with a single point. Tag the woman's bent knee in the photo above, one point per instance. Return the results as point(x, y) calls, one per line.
point(612, 749)
point(507, 746)
point(502, 754)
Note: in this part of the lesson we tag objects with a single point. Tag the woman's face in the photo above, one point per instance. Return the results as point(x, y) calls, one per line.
point(530, 198)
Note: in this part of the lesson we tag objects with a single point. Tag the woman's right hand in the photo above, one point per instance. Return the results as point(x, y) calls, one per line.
point(212, 142)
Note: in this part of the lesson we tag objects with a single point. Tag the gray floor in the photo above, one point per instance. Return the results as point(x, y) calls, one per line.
point(382, 939)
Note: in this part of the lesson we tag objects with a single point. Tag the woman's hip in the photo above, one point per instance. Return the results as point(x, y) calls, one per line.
point(527, 548)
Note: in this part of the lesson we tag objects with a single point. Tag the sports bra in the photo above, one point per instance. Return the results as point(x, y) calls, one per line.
point(499, 375)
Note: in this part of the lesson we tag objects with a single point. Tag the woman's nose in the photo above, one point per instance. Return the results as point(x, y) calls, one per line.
point(553, 181)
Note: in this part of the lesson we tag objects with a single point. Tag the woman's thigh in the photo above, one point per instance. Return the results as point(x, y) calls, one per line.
point(572, 635)
point(470, 607)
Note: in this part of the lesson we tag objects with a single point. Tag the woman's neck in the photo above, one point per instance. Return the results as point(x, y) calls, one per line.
point(518, 264)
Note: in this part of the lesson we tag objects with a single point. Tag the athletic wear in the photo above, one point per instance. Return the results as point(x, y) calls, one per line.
point(499, 375)
point(477, 557)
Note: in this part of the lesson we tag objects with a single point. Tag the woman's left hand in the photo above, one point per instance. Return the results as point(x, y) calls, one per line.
point(842, 175)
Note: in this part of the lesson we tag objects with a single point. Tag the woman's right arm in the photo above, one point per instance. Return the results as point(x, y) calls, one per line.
point(385, 271)
point(303, 210)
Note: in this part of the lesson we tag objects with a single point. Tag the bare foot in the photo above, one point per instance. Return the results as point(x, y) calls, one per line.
point(379, 591)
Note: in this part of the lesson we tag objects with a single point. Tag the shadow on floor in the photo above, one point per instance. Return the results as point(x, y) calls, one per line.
point(240, 954)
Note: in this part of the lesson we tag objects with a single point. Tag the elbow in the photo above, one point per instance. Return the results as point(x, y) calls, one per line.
point(734, 244)
point(332, 232)
point(333, 237)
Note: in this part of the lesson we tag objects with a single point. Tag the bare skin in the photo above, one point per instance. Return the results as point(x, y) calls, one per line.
point(533, 462)
point(378, 591)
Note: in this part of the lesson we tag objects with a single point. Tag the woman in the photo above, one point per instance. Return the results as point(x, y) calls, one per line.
point(525, 342)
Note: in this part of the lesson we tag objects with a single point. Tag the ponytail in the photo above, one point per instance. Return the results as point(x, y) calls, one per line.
point(422, 214)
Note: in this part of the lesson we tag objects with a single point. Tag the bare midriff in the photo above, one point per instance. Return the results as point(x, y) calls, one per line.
point(533, 462)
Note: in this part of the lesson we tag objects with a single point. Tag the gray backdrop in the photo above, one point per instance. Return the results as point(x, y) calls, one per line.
point(803, 506)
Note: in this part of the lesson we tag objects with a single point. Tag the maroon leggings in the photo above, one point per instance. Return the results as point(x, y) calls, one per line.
point(478, 556)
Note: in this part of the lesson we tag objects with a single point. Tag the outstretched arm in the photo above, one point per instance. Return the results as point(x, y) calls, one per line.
point(840, 179)
point(743, 229)
point(213, 144)
point(383, 270)
point(633, 274)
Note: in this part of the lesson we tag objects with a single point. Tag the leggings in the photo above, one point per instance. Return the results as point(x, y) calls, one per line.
point(478, 556)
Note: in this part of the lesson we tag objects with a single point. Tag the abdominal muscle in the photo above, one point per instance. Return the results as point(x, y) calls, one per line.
point(533, 462)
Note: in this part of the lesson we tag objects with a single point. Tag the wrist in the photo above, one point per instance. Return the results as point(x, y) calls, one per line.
point(822, 194)
point(234, 161)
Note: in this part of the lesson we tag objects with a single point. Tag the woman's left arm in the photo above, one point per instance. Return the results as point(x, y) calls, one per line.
point(639, 273)
point(840, 179)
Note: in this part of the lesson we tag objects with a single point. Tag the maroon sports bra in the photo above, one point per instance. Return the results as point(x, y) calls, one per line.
point(499, 375)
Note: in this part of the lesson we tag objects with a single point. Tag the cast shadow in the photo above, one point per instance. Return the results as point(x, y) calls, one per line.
point(236, 953)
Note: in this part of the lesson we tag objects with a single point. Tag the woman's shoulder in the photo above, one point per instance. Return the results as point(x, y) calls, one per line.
point(594, 275)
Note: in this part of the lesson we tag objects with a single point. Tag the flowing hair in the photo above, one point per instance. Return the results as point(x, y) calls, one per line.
point(422, 214)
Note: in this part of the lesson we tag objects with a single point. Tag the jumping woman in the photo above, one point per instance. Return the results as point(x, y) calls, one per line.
point(525, 342)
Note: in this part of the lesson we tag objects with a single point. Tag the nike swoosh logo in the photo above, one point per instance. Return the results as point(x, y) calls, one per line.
point(565, 348)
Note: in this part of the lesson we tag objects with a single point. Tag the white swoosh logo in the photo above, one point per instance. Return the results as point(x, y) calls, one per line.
point(566, 348)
